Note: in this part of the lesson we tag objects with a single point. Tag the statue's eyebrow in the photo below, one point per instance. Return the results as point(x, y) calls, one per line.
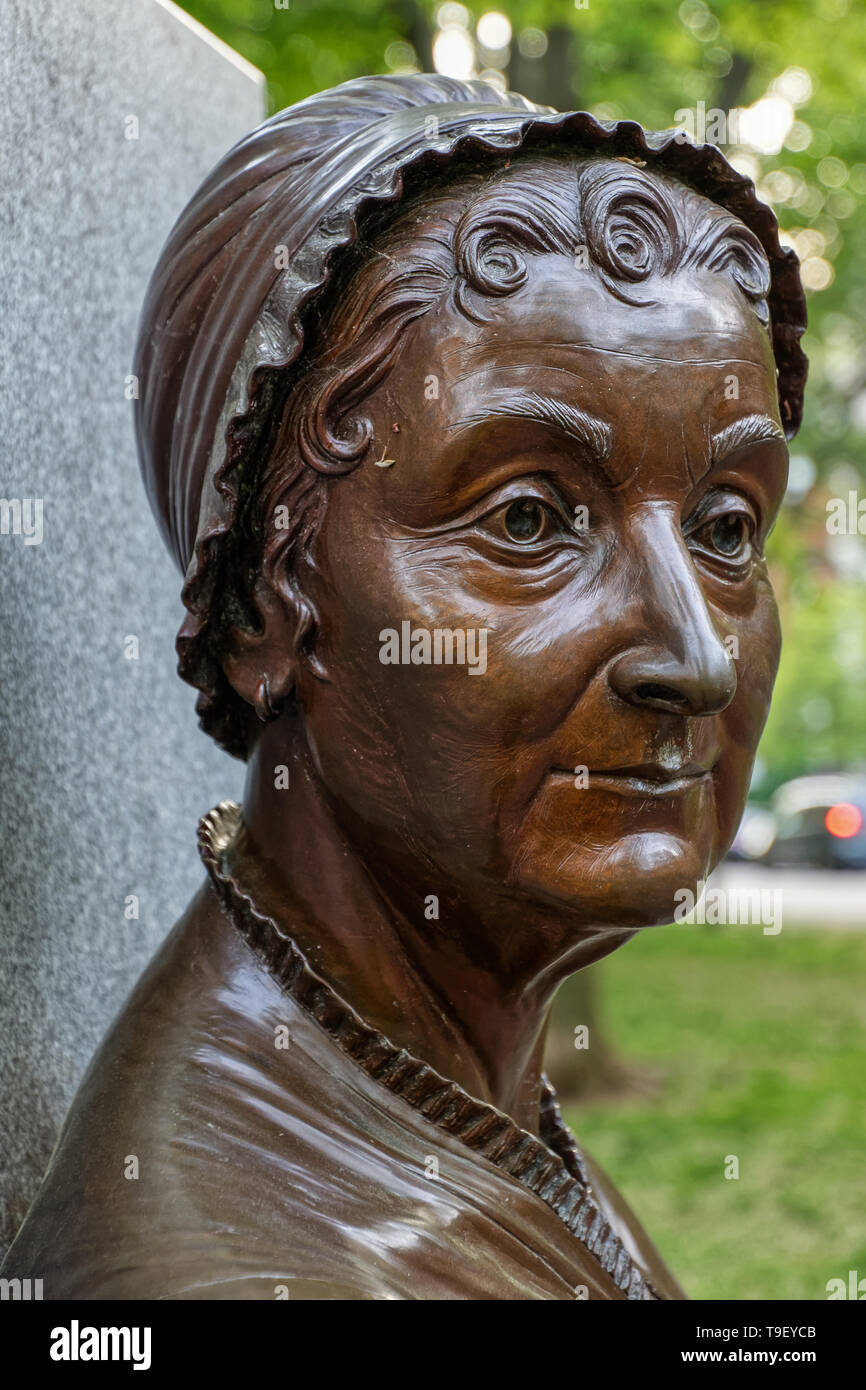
point(751, 429)
point(596, 435)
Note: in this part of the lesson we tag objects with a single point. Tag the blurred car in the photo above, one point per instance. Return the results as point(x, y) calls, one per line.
point(817, 821)
point(756, 833)
point(820, 822)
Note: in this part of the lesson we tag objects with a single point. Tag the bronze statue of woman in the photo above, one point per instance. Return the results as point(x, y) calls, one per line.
point(466, 422)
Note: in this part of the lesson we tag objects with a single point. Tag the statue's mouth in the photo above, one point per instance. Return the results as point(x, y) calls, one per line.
point(645, 779)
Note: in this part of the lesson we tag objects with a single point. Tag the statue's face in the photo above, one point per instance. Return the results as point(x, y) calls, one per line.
point(635, 641)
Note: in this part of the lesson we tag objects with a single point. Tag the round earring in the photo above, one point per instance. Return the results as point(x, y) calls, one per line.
point(262, 702)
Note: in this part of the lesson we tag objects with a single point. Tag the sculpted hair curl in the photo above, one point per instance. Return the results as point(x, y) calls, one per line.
point(472, 240)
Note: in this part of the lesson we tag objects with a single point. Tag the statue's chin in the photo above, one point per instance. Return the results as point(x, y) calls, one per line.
point(637, 881)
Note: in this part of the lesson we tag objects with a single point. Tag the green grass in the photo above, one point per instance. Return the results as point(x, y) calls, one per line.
point(760, 1042)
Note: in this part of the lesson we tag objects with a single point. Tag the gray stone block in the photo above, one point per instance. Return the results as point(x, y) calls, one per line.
point(103, 771)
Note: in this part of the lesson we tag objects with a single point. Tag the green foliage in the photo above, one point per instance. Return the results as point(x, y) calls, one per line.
point(817, 716)
point(311, 45)
point(759, 1040)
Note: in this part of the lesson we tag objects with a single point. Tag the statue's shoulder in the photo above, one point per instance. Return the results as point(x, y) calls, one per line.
point(207, 1153)
point(223, 1146)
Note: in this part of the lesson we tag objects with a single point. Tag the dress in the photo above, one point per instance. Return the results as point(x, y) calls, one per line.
point(243, 1134)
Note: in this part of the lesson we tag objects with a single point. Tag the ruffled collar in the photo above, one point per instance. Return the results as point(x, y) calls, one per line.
point(550, 1167)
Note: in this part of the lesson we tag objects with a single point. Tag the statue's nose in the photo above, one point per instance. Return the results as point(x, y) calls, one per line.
point(679, 664)
point(651, 678)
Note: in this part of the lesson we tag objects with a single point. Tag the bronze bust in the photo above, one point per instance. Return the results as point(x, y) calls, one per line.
point(465, 420)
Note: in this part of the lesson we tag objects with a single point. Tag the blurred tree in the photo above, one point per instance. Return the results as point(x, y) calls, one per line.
point(579, 1056)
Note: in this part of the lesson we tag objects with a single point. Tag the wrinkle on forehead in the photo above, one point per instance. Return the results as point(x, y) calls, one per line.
point(557, 318)
point(658, 379)
point(469, 350)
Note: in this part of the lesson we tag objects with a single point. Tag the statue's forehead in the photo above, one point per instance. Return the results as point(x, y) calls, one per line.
point(662, 378)
point(566, 318)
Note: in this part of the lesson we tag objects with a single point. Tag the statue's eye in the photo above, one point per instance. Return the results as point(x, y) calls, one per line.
point(728, 536)
point(525, 520)
point(527, 529)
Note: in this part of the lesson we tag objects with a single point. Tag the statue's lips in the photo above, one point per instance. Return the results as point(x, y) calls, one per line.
point(646, 779)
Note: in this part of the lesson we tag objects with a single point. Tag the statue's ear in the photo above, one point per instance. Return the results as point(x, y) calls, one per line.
point(263, 667)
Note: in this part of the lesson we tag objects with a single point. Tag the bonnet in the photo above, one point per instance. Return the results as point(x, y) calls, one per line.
point(222, 318)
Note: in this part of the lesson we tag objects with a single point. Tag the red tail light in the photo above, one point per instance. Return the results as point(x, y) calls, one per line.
point(844, 820)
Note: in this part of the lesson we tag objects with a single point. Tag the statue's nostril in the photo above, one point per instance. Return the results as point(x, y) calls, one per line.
point(650, 690)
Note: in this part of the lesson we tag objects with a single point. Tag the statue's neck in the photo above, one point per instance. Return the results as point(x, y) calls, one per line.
point(477, 1024)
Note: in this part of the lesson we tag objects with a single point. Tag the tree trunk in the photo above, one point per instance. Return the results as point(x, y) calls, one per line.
point(580, 1060)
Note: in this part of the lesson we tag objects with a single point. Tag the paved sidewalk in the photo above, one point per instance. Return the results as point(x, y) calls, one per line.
point(814, 897)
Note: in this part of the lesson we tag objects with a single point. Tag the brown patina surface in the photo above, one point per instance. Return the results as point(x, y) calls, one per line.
point(538, 403)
